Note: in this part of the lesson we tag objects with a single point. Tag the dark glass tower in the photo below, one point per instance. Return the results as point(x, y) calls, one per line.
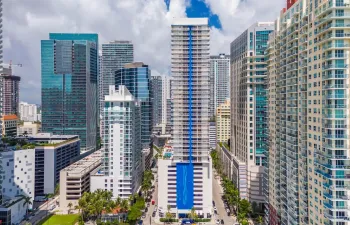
point(69, 86)
point(136, 77)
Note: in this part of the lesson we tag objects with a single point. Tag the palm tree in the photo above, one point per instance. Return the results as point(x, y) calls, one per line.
point(124, 206)
point(259, 220)
point(70, 205)
point(168, 215)
point(118, 202)
point(27, 202)
point(193, 214)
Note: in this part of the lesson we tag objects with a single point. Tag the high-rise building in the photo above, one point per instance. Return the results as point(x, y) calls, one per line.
point(0, 35)
point(9, 94)
point(160, 86)
point(69, 76)
point(223, 122)
point(189, 163)
point(115, 55)
point(248, 110)
point(309, 114)
point(136, 78)
point(219, 81)
point(121, 155)
point(28, 112)
point(212, 135)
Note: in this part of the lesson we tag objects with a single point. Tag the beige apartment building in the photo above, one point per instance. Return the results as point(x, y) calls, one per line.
point(223, 122)
point(308, 114)
point(75, 179)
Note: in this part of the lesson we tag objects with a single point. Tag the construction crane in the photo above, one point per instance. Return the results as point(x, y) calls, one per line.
point(10, 64)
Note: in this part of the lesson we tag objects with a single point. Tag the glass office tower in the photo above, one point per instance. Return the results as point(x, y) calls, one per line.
point(248, 110)
point(69, 86)
point(136, 78)
point(115, 54)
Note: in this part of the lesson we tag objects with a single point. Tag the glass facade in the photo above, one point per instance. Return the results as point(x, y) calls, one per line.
point(115, 55)
point(69, 86)
point(136, 78)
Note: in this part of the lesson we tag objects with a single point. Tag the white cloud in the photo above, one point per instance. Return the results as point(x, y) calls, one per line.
point(145, 22)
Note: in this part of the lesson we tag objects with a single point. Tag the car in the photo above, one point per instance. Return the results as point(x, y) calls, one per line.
point(148, 204)
point(146, 209)
point(140, 222)
point(213, 203)
point(217, 221)
point(215, 212)
point(143, 215)
point(222, 221)
point(215, 208)
point(154, 214)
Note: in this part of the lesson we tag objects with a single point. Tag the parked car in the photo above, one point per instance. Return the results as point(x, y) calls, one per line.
point(217, 221)
point(213, 203)
point(215, 208)
point(143, 215)
point(154, 214)
point(222, 221)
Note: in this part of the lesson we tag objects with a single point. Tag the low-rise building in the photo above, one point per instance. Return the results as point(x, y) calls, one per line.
point(12, 211)
point(52, 154)
point(28, 128)
point(75, 179)
point(9, 125)
point(18, 172)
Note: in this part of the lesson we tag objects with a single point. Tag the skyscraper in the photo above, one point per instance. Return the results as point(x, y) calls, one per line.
point(9, 94)
point(136, 78)
point(219, 81)
point(0, 37)
point(248, 110)
point(309, 114)
point(69, 86)
point(160, 93)
point(115, 55)
point(190, 134)
point(121, 156)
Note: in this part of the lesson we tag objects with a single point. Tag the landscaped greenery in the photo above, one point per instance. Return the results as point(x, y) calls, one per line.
point(60, 220)
point(241, 207)
point(167, 220)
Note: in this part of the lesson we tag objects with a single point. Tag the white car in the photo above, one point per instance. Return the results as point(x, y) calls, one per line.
point(217, 221)
point(215, 208)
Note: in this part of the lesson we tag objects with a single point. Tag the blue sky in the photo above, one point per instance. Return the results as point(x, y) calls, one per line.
point(198, 8)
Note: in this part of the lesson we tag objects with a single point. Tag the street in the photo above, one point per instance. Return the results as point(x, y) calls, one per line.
point(42, 211)
point(151, 207)
point(217, 193)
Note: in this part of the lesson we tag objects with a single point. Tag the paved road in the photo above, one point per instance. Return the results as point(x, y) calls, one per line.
point(147, 220)
point(217, 193)
point(43, 211)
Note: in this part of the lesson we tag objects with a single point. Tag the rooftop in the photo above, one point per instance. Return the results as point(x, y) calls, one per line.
point(190, 21)
point(10, 117)
point(134, 65)
point(11, 202)
point(85, 164)
point(53, 136)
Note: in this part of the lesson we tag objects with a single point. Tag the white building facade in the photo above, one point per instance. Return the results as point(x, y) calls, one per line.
point(120, 171)
point(28, 112)
point(219, 81)
point(18, 177)
point(188, 171)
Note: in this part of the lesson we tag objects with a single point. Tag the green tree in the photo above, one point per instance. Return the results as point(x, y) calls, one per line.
point(57, 189)
point(70, 205)
point(168, 214)
point(124, 205)
point(259, 220)
point(244, 206)
point(193, 214)
point(26, 202)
